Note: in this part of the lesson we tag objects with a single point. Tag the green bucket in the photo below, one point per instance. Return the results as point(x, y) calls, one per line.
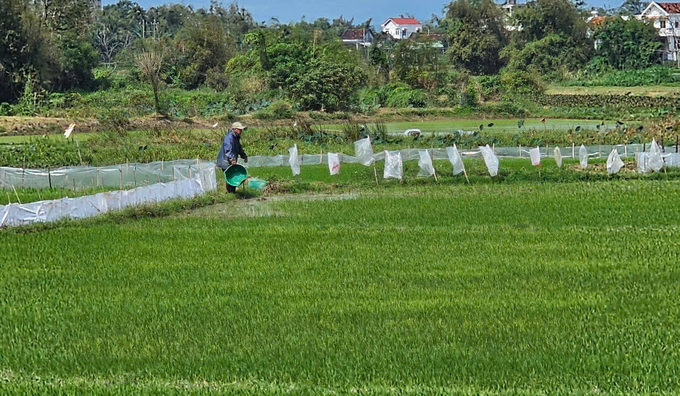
point(235, 175)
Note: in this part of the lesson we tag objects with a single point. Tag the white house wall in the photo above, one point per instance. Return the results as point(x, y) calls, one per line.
point(395, 30)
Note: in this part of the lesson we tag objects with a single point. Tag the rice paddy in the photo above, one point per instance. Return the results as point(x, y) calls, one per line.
point(510, 288)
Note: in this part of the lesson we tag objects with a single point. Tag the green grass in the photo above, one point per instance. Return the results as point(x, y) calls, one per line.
point(649, 90)
point(501, 289)
point(501, 126)
point(25, 138)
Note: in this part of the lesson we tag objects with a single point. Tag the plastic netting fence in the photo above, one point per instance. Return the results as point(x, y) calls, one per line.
point(625, 151)
point(198, 182)
point(116, 176)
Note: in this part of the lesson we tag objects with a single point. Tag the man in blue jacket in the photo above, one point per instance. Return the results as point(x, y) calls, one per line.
point(231, 150)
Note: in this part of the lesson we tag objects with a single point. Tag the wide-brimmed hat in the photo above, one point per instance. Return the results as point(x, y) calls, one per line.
point(238, 125)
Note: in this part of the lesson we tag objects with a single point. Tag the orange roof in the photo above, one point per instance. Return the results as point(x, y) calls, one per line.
point(597, 21)
point(405, 21)
point(671, 8)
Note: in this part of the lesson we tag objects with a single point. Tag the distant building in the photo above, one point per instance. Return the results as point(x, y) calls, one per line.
point(358, 37)
point(510, 6)
point(666, 18)
point(401, 28)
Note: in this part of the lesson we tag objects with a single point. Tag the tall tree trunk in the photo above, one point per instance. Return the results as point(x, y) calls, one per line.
point(155, 98)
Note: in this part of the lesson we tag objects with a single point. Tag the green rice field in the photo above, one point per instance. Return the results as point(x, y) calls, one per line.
point(505, 126)
point(24, 138)
point(493, 289)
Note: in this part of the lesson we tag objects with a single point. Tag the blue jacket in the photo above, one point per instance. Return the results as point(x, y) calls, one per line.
point(231, 149)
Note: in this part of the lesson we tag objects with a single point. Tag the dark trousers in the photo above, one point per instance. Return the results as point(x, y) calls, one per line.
point(231, 189)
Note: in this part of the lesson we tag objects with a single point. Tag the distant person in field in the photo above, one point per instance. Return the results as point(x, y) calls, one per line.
point(231, 150)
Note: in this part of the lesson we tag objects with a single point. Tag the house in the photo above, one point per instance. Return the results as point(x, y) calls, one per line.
point(358, 37)
point(401, 28)
point(509, 7)
point(666, 18)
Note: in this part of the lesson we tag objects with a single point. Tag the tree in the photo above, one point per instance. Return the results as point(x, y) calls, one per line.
point(150, 63)
point(631, 44)
point(558, 27)
point(327, 86)
point(476, 34)
point(632, 7)
point(119, 25)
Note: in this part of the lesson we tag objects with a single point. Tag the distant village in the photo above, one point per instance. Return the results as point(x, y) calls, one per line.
point(665, 17)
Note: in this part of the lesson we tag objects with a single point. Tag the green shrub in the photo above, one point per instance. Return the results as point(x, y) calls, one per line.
point(6, 109)
point(520, 82)
point(489, 86)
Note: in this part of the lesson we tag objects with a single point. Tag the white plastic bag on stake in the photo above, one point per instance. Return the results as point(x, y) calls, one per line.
point(490, 160)
point(614, 163)
point(334, 163)
point(425, 164)
point(655, 161)
point(642, 160)
point(364, 151)
point(294, 160)
point(456, 160)
point(394, 168)
point(583, 156)
point(535, 155)
point(558, 157)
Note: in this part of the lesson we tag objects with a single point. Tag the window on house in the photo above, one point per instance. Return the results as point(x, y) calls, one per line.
point(662, 24)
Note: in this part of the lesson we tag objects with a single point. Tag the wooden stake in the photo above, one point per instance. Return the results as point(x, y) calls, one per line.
point(79, 155)
point(134, 174)
point(49, 177)
point(466, 176)
point(16, 193)
point(520, 151)
point(375, 173)
point(573, 150)
point(120, 169)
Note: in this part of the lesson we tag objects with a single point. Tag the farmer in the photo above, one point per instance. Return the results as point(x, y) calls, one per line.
point(231, 150)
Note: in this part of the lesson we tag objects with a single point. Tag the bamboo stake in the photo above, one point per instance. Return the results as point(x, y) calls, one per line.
point(16, 193)
point(120, 169)
point(79, 155)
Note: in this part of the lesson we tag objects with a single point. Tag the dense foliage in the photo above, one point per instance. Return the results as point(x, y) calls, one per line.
point(476, 52)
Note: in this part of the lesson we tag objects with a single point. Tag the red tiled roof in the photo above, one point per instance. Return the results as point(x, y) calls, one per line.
point(671, 8)
point(405, 21)
point(353, 34)
point(597, 21)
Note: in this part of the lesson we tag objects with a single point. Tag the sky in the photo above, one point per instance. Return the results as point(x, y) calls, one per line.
point(361, 10)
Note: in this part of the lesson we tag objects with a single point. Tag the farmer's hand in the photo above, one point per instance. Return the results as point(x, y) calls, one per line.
point(246, 160)
point(233, 161)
